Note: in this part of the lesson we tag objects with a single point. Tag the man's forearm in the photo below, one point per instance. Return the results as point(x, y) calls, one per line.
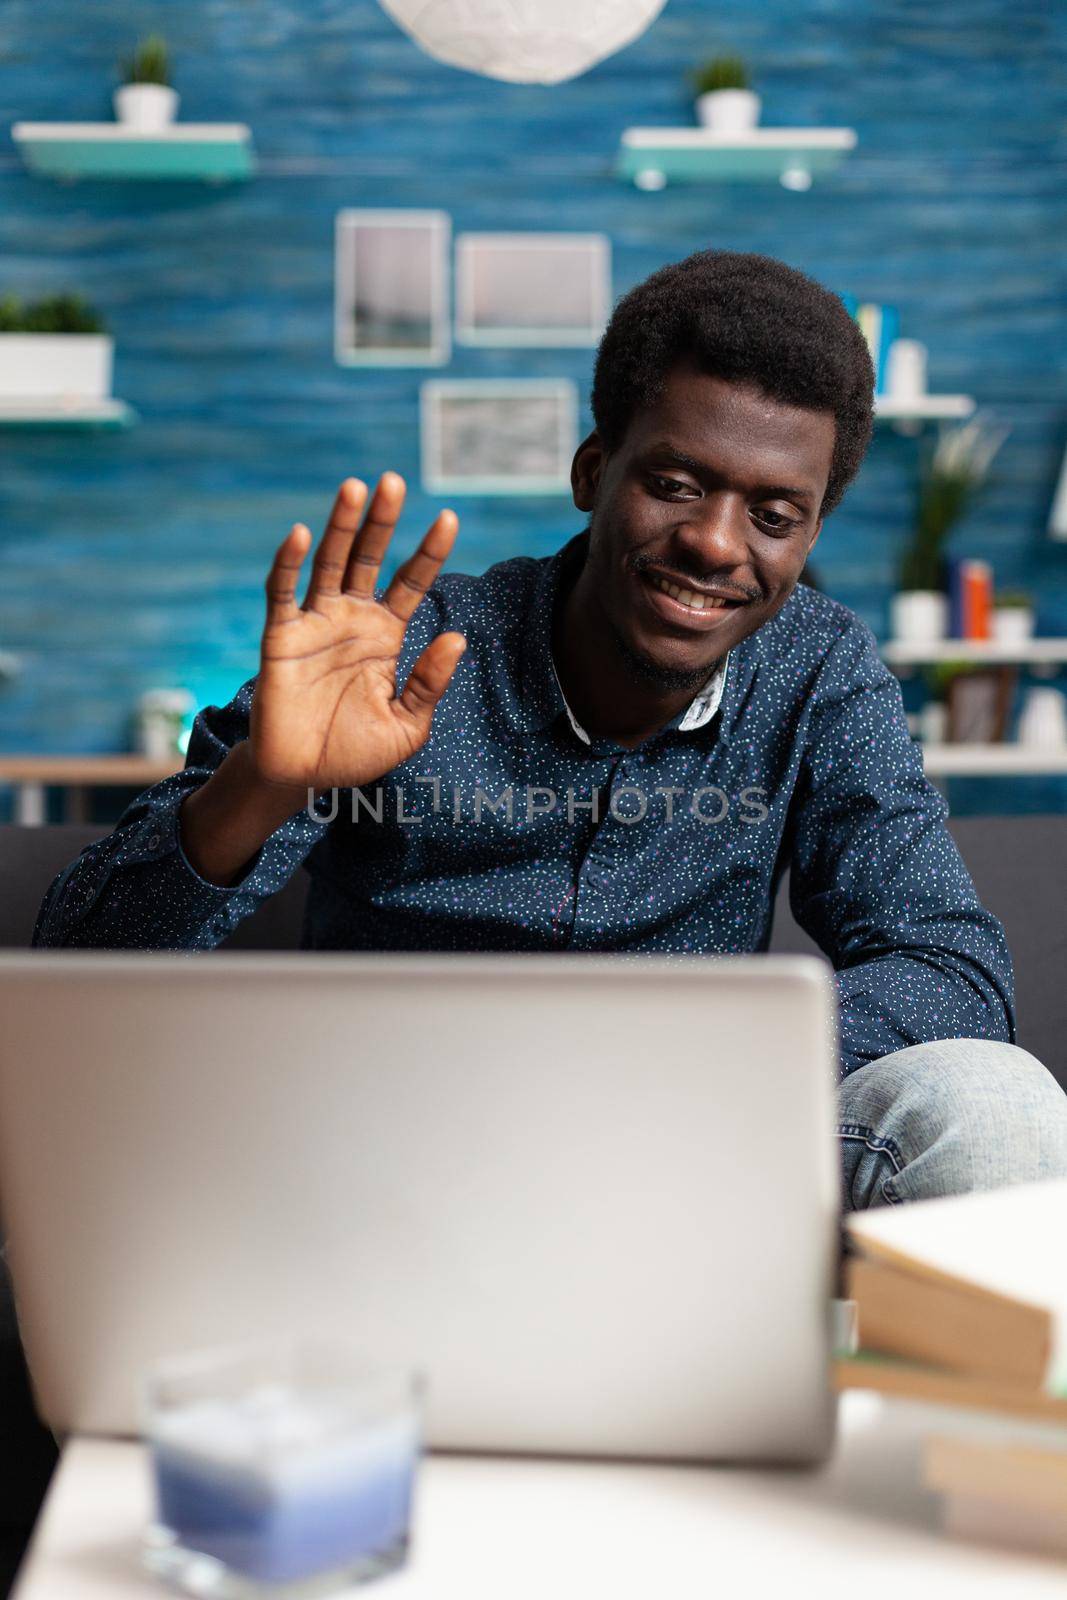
point(901, 999)
point(228, 819)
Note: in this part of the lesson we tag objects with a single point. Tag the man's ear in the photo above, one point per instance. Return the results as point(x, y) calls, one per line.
point(586, 468)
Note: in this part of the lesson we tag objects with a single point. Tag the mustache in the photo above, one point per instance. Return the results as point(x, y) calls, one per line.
point(642, 562)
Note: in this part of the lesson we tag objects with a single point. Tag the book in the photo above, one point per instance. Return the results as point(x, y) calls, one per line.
point(910, 1380)
point(958, 1326)
point(1007, 1523)
point(888, 331)
point(880, 326)
point(977, 599)
point(991, 1470)
point(970, 598)
point(1000, 1493)
point(971, 1286)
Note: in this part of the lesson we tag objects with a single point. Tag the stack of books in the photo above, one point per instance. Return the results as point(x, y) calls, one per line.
point(962, 1306)
point(880, 325)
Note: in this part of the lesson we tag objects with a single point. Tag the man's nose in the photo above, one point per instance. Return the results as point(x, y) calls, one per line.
point(713, 534)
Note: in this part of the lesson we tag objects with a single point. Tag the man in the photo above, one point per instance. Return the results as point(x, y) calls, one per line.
point(623, 747)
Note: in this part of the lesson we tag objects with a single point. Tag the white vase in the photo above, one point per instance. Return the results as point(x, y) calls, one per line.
point(1013, 624)
point(1043, 719)
point(728, 110)
point(905, 370)
point(145, 105)
point(918, 616)
point(53, 366)
point(933, 722)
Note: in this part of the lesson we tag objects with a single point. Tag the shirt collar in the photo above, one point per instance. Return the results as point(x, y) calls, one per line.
point(541, 692)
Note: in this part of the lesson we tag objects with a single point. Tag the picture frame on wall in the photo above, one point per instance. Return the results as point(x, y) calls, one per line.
point(1057, 517)
point(498, 435)
point(391, 287)
point(543, 289)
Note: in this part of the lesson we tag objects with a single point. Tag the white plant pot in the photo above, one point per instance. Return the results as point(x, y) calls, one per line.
point(145, 105)
point(1043, 719)
point(918, 616)
point(1013, 624)
point(933, 722)
point(54, 366)
point(728, 110)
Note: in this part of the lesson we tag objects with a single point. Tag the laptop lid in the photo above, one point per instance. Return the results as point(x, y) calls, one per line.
point(594, 1199)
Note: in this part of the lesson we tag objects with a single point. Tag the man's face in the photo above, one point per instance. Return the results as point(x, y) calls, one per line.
point(714, 491)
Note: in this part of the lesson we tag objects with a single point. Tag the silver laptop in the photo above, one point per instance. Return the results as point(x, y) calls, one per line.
point(592, 1198)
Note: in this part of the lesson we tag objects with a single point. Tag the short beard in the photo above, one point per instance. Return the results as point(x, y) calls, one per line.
point(653, 676)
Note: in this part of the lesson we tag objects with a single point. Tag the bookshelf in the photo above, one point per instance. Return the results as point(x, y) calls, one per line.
point(1044, 657)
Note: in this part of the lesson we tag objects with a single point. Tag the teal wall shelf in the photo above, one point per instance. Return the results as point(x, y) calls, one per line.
point(653, 157)
point(107, 414)
point(213, 152)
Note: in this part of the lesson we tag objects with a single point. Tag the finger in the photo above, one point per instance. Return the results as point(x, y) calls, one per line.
point(285, 573)
point(332, 555)
point(415, 575)
point(430, 676)
point(373, 538)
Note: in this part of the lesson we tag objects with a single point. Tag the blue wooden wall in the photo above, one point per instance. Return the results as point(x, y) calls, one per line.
point(137, 559)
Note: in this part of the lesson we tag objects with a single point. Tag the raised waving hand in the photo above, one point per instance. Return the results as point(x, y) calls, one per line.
point(326, 713)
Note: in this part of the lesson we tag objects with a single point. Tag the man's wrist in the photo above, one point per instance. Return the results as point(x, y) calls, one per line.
point(226, 821)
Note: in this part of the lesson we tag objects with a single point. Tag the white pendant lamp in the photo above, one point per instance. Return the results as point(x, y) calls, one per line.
point(523, 41)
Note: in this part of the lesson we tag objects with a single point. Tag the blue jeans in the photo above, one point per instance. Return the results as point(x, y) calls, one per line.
point(946, 1118)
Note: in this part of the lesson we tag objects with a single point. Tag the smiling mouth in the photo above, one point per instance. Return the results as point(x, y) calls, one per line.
point(690, 598)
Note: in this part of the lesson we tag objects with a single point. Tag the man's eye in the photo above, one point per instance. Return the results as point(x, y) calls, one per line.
point(775, 522)
point(671, 486)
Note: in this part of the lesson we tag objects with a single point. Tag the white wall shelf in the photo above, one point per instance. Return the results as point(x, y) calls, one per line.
point(653, 157)
point(215, 152)
point(993, 760)
point(982, 652)
point(908, 416)
point(59, 413)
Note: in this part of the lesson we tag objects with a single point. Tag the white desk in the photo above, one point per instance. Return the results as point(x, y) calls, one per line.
point(510, 1529)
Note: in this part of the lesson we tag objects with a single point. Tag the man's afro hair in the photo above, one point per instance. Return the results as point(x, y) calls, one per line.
point(746, 318)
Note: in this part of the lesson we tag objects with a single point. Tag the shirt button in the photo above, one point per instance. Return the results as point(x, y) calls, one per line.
point(154, 842)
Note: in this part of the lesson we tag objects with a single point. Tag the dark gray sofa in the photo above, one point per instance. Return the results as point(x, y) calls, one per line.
point(1019, 865)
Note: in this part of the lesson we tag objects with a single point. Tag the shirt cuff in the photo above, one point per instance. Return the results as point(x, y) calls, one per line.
point(160, 836)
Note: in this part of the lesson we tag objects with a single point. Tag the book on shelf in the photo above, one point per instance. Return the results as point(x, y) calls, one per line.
point(880, 325)
point(970, 598)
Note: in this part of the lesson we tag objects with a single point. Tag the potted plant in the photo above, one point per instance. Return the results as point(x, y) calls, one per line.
point(949, 477)
point(724, 100)
point(1013, 617)
point(54, 349)
point(146, 99)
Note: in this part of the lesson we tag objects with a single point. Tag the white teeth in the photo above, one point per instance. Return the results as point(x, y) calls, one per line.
point(687, 597)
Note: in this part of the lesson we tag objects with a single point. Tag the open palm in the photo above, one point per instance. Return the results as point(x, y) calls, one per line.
point(325, 713)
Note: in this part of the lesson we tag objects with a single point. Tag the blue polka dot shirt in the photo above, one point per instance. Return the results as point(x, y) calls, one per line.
point(512, 830)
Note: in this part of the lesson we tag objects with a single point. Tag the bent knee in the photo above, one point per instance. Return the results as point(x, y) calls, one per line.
point(981, 1111)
